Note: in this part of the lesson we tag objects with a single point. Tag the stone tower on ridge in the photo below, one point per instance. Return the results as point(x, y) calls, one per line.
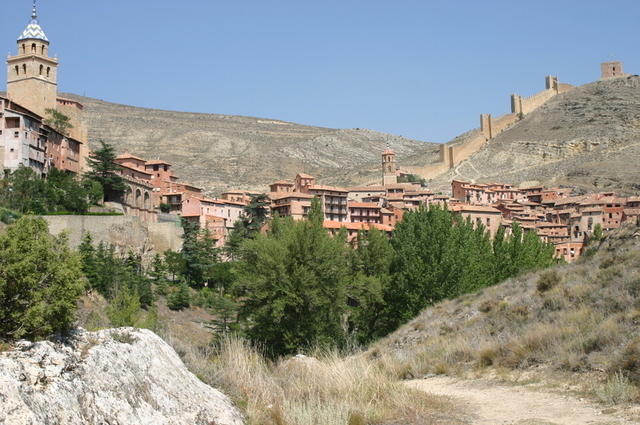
point(389, 167)
point(32, 76)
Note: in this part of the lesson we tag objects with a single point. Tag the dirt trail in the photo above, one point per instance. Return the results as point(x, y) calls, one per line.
point(491, 404)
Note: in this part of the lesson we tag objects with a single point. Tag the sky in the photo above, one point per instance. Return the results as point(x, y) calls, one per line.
point(421, 69)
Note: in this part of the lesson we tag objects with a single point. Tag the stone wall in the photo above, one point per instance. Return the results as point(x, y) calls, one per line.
point(453, 153)
point(125, 232)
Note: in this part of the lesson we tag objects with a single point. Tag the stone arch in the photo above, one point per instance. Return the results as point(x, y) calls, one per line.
point(147, 199)
point(129, 196)
point(138, 201)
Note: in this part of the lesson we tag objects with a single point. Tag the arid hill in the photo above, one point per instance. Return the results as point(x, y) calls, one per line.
point(218, 152)
point(588, 138)
point(573, 326)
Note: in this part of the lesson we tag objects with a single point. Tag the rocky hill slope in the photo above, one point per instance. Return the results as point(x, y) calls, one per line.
point(218, 152)
point(588, 137)
point(118, 376)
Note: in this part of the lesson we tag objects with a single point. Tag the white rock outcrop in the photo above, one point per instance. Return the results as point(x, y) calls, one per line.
point(113, 377)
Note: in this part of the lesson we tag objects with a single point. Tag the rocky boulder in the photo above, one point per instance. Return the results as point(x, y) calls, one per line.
point(112, 377)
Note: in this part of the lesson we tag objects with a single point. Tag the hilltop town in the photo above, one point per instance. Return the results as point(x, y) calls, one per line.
point(149, 258)
point(154, 192)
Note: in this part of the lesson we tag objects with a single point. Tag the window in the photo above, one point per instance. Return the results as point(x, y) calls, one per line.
point(24, 69)
point(17, 70)
point(42, 50)
point(48, 70)
point(33, 48)
point(24, 49)
point(41, 69)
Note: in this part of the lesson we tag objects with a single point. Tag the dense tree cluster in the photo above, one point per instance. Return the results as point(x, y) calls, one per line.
point(297, 286)
point(289, 287)
point(26, 192)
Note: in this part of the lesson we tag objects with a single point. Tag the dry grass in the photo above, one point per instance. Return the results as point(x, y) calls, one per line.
point(326, 389)
point(575, 320)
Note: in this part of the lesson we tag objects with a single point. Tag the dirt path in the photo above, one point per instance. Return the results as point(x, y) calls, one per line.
point(491, 404)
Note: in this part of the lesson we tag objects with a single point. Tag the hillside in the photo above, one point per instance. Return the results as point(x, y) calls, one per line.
point(588, 138)
point(573, 327)
point(218, 152)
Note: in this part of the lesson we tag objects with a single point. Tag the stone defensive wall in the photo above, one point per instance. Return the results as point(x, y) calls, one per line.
point(453, 153)
point(123, 231)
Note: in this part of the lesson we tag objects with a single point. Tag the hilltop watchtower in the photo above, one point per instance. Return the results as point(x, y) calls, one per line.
point(389, 167)
point(32, 76)
point(611, 70)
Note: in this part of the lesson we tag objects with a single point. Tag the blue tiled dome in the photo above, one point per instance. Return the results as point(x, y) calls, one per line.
point(33, 30)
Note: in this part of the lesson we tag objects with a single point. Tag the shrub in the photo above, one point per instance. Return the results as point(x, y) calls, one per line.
point(548, 280)
point(124, 308)
point(179, 299)
point(40, 281)
point(629, 361)
point(617, 390)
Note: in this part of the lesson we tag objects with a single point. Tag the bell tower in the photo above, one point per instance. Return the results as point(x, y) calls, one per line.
point(389, 167)
point(32, 76)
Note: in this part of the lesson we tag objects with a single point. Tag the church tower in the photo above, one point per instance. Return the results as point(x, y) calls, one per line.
point(32, 77)
point(389, 167)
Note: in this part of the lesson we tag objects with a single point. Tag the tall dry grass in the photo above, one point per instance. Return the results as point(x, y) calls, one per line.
point(327, 388)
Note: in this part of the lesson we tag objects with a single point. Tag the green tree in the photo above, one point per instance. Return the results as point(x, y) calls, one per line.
point(180, 299)
point(371, 262)
point(124, 308)
point(292, 285)
point(438, 255)
point(254, 217)
point(199, 253)
point(175, 264)
point(40, 281)
point(597, 232)
point(66, 193)
point(104, 170)
point(88, 258)
point(58, 121)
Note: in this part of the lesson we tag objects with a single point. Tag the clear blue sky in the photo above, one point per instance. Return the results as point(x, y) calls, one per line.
point(422, 69)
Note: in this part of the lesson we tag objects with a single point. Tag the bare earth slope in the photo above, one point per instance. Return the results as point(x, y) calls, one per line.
point(223, 151)
point(588, 137)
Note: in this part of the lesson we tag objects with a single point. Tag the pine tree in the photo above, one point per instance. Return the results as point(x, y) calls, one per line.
point(40, 281)
point(88, 257)
point(104, 170)
point(179, 299)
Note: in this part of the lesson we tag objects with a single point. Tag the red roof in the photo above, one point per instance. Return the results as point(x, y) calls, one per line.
point(363, 205)
point(355, 226)
point(127, 155)
point(157, 162)
point(327, 188)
